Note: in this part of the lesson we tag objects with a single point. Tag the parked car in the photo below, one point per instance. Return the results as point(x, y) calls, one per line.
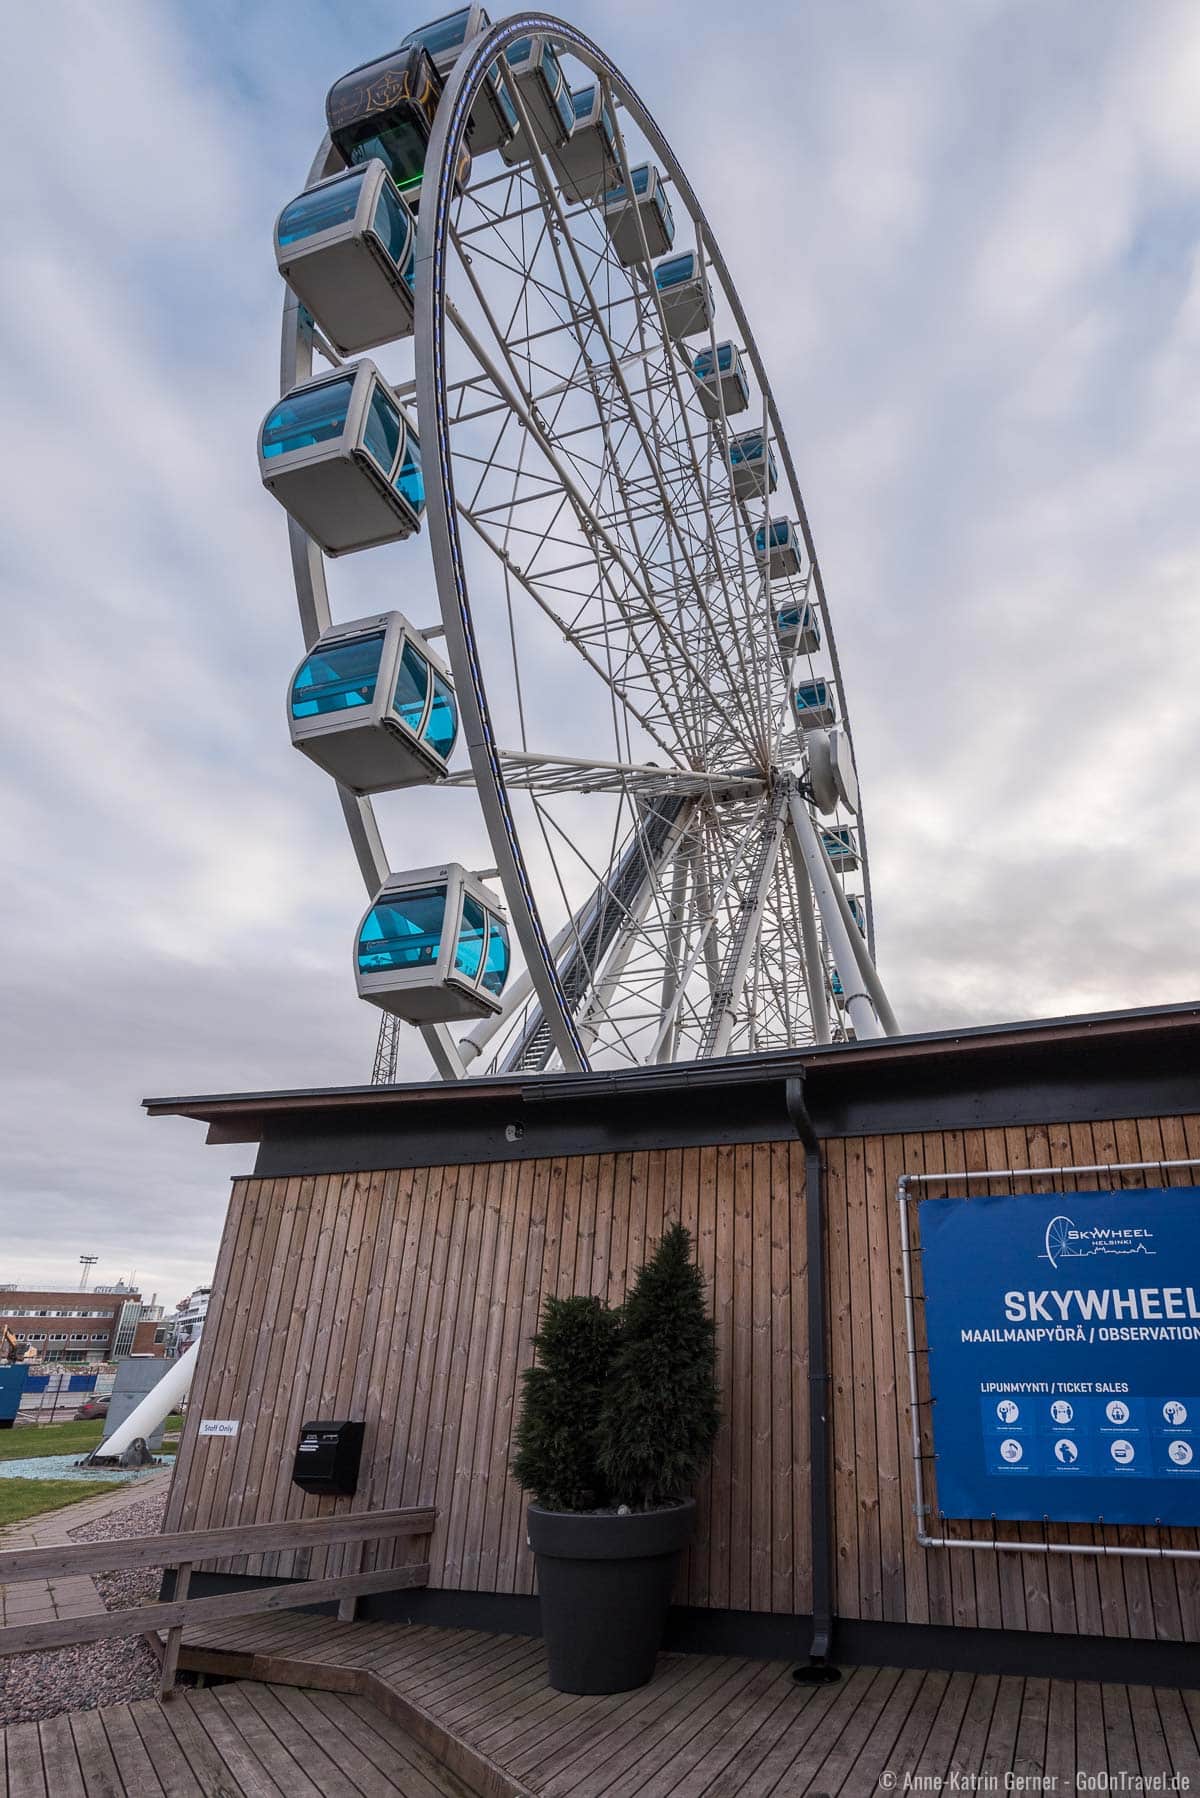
point(90, 1408)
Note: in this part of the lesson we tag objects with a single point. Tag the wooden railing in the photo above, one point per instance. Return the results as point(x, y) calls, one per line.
point(183, 1550)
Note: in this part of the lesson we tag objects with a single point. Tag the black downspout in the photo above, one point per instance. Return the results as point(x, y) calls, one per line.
point(818, 1670)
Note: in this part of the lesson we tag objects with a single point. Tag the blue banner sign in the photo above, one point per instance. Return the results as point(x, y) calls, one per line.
point(1064, 1355)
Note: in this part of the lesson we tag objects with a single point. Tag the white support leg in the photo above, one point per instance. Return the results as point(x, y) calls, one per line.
point(749, 920)
point(704, 903)
point(444, 1050)
point(814, 968)
point(614, 967)
point(679, 877)
point(858, 1001)
point(610, 975)
point(705, 944)
point(862, 955)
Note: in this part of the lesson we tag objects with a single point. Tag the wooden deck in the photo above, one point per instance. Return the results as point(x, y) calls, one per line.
point(320, 1709)
point(235, 1741)
point(710, 1726)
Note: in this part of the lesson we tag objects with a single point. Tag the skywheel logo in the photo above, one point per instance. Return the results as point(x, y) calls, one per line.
point(1068, 1241)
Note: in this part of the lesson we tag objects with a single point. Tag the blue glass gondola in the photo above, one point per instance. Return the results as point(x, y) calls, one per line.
point(386, 108)
point(533, 64)
point(587, 163)
point(722, 382)
point(785, 548)
point(373, 705)
point(813, 705)
point(841, 846)
point(858, 912)
point(341, 456)
point(798, 630)
point(687, 298)
point(651, 204)
point(835, 984)
point(433, 947)
point(494, 119)
point(746, 465)
point(347, 249)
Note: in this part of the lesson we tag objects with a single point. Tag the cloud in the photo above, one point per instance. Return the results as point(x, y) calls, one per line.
point(967, 239)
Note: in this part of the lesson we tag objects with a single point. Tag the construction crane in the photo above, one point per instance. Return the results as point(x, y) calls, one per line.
point(387, 1050)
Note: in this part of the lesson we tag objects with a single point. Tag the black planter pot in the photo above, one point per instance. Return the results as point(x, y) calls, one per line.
point(605, 1584)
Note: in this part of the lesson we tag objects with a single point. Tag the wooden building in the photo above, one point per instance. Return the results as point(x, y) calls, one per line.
point(387, 1258)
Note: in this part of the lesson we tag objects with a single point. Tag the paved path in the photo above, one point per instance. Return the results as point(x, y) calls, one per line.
point(40, 1601)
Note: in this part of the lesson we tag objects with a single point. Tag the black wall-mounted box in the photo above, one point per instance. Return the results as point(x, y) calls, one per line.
point(327, 1458)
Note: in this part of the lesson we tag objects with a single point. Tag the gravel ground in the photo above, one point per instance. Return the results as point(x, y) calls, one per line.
point(34, 1686)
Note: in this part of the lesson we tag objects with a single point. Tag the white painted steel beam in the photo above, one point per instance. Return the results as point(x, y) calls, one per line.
point(825, 886)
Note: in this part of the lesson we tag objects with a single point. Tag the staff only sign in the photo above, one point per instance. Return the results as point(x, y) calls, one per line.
point(1064, 1355)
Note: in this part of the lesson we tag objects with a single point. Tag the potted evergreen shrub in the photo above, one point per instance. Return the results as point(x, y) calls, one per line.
point(619, 1414)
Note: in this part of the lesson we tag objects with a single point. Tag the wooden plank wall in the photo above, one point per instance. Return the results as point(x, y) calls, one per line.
point(410, 1298)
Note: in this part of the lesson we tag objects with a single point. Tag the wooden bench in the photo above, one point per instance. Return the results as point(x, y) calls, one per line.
point(185, 1549)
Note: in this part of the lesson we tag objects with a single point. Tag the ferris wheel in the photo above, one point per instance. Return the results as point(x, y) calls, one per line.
point(612, 675)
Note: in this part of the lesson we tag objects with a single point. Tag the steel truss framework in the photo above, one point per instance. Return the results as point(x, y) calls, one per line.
point(625, 706)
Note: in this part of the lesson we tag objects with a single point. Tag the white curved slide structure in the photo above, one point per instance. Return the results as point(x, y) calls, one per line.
point(158, 1404)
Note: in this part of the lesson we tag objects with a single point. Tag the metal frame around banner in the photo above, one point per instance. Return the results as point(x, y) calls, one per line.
point(921, 1507)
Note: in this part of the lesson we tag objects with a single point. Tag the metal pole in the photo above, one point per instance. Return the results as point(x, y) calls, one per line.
point(704, 909)
point(704, 945)
point(818, 1671)
point(1031, 1173)
point(862, 956)
point(919, 1507)
point(679, 875)
point(610, 976)
point(747, 929)
point(442, 1047)
point(857, 998)
point(814, 966)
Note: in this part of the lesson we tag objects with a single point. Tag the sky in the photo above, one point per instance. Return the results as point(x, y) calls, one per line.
point(967, 239)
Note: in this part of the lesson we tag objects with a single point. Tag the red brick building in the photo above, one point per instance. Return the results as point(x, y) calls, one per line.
point(72, 1326)
point(152, 1336)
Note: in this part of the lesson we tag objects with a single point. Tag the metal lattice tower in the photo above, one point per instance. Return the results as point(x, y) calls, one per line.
point(387, 1052)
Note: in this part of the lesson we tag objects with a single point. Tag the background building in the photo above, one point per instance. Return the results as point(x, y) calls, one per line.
point(154, 1335)
point(189, 1317)
point(67, 1325)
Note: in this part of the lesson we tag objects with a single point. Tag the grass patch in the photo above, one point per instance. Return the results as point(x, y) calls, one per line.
point(69, 1438)
point(50, 1439)
point(20, 1499)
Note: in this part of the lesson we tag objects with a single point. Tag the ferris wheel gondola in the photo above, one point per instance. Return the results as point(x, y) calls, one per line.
point(347, 248)
point(722, 384)
point(638, 657)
